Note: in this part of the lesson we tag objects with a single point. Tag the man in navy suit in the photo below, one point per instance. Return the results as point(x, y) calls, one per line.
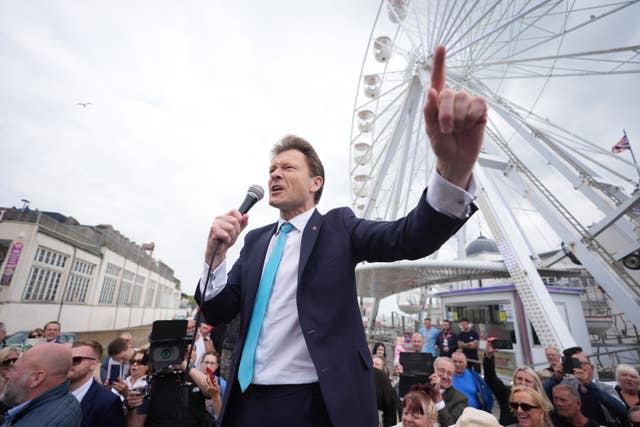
point(310, 365)
point(100, 407)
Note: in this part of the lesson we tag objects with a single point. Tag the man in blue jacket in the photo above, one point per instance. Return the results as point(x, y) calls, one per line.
point(100, 407)
point(302, 357)
point(468, 382)
point(38, 390)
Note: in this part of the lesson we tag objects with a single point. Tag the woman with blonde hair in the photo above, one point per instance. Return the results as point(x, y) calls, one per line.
point(530, 407)
point(523, 376)
point(628, 386)
point(418, 407)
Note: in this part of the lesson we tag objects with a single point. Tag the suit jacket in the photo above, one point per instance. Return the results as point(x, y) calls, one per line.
point(100, 407)
point(454, 404)
point(328, 311)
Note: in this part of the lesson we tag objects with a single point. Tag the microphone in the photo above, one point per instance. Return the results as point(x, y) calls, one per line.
point(254, 194)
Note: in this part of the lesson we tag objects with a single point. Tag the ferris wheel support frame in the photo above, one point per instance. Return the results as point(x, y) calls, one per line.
point(540, 308)
point(605, 274)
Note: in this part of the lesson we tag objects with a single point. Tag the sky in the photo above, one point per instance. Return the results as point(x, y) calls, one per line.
point(187, 99)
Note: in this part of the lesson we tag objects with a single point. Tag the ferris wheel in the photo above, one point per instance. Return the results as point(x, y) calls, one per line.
point(517, 55)
point(508, 52)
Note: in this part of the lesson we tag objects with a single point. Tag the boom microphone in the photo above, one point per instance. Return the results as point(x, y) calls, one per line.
point(254, 194)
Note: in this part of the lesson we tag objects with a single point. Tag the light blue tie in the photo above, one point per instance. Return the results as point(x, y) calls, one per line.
point(245, 371)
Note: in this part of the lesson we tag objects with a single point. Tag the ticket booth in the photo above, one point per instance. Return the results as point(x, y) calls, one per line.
point(497, 311)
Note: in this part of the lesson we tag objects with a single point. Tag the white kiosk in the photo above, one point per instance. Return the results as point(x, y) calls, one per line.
point(497, 311)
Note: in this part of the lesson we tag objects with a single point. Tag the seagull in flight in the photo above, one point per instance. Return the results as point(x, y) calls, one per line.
point(84, 104)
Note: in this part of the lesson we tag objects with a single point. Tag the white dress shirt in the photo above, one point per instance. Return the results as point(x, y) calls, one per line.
point(282, 356)
point(81, 391)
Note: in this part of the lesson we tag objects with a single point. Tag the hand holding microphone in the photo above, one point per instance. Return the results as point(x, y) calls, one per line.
point(226, 228)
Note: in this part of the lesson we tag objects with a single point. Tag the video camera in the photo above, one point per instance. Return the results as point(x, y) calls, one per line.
point(168, 343)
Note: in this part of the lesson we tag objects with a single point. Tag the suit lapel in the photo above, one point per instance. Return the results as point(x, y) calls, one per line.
point(87, 400)
point(309, 237)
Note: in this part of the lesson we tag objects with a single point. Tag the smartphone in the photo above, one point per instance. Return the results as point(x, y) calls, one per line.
point(500, 344)
point(114, 373)
point(211, 374)
point(568, 362)
point(568, 365)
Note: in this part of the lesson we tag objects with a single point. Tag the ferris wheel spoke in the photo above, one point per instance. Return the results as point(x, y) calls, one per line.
point(590, 20)
point(497, 29)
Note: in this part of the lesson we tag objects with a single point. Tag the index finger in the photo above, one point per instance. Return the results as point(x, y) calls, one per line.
point(437, 69)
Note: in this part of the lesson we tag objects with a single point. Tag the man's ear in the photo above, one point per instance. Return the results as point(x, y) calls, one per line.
point(37, 378)
point(316, 183)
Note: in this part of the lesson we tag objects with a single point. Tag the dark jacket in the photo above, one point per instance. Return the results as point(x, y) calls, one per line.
point(101, 408)
point(609, 411)
point(331, 247)
point(385, 397)
point(54, 408)
point(500, 390)
point(454, 404)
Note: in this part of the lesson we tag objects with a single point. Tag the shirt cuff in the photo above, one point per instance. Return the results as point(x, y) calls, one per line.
point(448, 198)
point(440, 405)
point(216, 282)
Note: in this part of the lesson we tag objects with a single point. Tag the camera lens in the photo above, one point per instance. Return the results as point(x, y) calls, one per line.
point(165, 354)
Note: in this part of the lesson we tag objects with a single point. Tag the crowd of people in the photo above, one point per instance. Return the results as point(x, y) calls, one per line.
point(56, 384)
point(456, 394)
point(45, 382)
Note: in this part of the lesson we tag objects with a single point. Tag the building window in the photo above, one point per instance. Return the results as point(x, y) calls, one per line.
point(159, 293)
point(42, 284)
point(149, 296)
point(125, 287)
point(78, 282)
point(44, 278)
point(109, 284)
point(51, 258)
point(113, 270)
point(108, 289)
point(135, 295)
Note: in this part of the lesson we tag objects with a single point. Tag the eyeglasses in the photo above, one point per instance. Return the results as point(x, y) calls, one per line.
point(78, 359)
point(138, 362)
point(525, 406)
point(9, 362)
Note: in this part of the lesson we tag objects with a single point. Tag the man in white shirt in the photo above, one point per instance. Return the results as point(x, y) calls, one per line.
point(202, 343)
point(99, 406)
point(302, 356)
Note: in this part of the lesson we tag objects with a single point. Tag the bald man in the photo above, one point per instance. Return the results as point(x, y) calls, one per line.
point(38, 390)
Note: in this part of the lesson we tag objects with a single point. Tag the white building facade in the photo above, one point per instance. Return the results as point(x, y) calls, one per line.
point(89, 278)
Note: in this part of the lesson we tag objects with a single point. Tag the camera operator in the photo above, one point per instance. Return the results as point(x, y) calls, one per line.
point(173, 398)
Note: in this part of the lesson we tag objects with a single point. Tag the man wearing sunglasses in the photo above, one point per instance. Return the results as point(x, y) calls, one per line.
point(99, 406)
point(37, 389)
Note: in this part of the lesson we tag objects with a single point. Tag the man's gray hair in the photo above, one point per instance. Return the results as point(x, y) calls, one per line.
point(573, 392)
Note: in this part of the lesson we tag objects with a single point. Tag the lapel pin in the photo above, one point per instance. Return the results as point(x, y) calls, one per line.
point(314, 228)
